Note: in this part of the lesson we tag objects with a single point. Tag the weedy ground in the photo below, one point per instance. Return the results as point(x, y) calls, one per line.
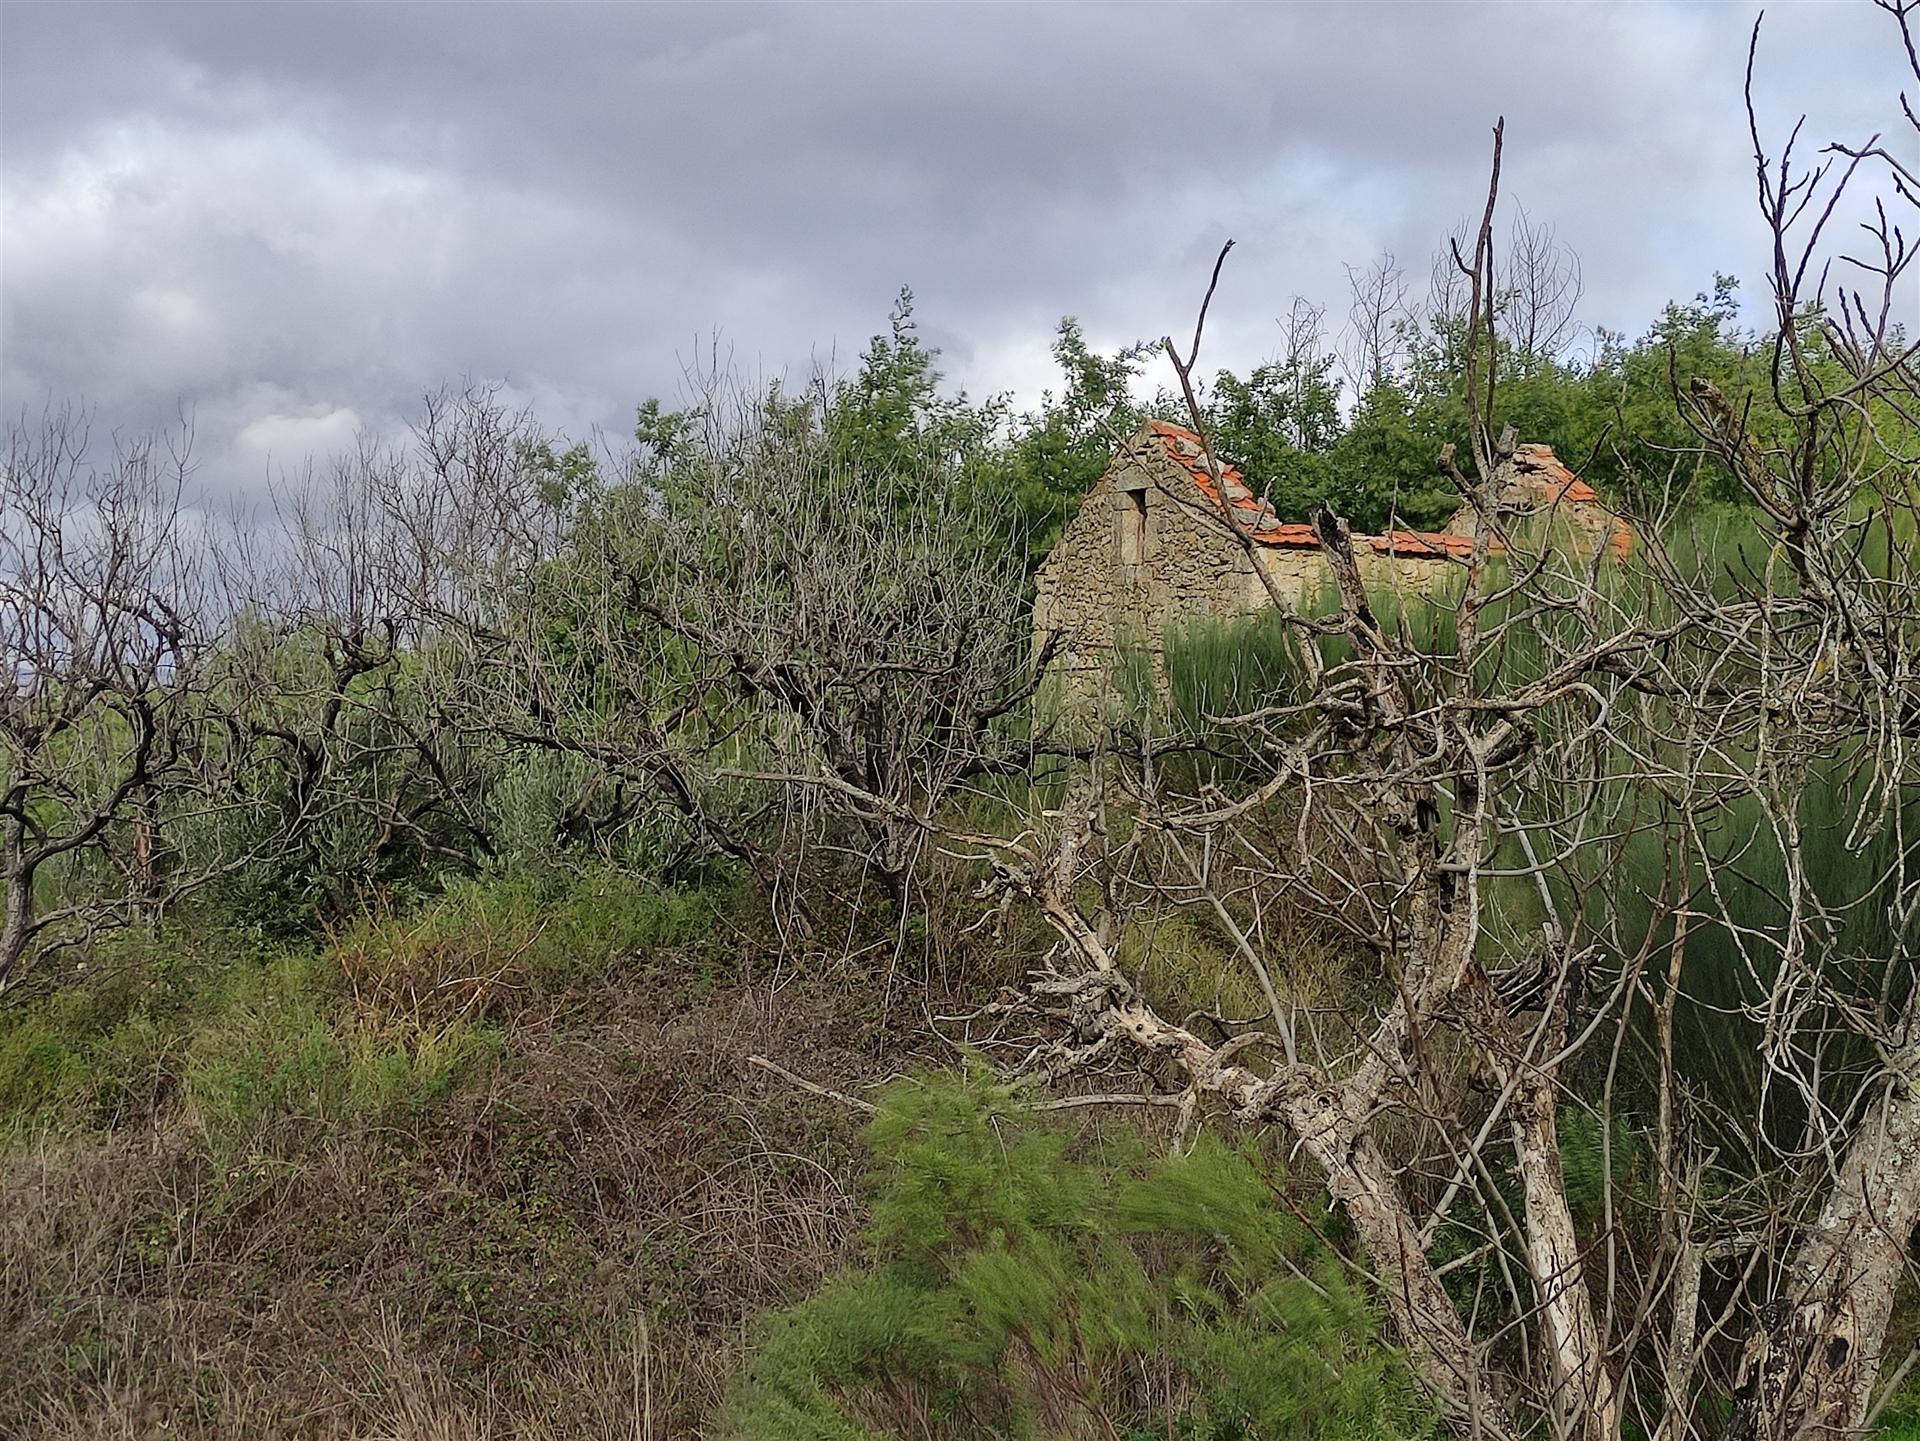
point(497, 1165)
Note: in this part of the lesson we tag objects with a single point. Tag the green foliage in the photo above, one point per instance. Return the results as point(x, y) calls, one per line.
point(1900, 1421)
point(1611, 413)
point(664, 436)
point(1022, 1285)
point(1374, 458)
point(1280, 424)
point(1057, 451)
point(520, 931)
point(388, 1014)
point(41, 1071)
point(1591, 1156)
point(281, 1044)
point(551, 813)
point(890, 428)
point(890, 423)
point(1720, 1040)
point(1630, 387)
point(1385, 463)
point(1219, 667)
point(102, 1047)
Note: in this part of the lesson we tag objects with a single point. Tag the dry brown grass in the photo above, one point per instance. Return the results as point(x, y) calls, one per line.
point(573, 1245)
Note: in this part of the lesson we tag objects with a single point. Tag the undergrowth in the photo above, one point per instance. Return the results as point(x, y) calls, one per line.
point(1020, 1285)
point(388, 1012)
point(491, 1162)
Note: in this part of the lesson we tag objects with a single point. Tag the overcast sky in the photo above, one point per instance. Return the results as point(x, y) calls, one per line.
point(293, 219)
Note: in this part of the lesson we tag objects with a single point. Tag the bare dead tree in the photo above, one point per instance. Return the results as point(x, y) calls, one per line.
point(1541, 287)
point(1303, 360)
point(1443, 314)
point(1376, 315)
point(101, 639)
point(1475, 824)
point(1832, 654)
point(1571, 723)
point(334, 681)
point(1380, 748)
point(1390, 744)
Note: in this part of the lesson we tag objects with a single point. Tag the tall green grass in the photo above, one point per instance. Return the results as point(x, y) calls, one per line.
point(1854, 940)
point(1216, 669)
point(280, 1044)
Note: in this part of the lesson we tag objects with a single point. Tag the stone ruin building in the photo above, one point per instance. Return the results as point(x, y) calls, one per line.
point(1149, 550)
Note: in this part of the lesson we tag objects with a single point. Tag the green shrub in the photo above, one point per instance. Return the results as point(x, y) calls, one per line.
point(389, 1013)
point(41, 1070)
point(462, 952)
point(1019, 1288)
point(281, 1042)
point(96, 1044)
point(1900, 1415)
point(1592, 1158)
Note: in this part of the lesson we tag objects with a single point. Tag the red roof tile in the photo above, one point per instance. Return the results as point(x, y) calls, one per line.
point(1265, 527)
point(1433, 543)
point(1183, 447)
point(1539, 467)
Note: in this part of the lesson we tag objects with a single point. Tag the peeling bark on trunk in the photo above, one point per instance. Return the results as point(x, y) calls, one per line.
point(15, 930)
point(1586, 1399)
point(1682, 1328)
point(1810, 1363)
point(1589, 1403)
point(16, 918)
point(1423, 1316)
point(147, 854)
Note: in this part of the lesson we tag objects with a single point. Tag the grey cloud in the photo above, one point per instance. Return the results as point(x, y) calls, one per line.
point(287, 214)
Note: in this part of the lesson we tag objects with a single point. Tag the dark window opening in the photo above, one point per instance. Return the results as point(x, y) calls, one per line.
point(1133, 528)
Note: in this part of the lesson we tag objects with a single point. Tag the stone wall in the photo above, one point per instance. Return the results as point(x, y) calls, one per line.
point(1104, 587)
point(1149, 551)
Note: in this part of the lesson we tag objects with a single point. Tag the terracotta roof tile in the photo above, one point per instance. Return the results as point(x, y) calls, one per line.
point(1289, 535)
point(1183, 447)
point(1434, 543)
point(1265, 527)
point(1539, 467)
point(1537, 463)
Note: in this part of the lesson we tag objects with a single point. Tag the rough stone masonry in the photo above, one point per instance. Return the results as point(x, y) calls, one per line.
point(1149, 551)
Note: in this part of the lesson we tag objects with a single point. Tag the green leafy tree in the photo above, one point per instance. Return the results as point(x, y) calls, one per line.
point(1630, 390)
point(1280, 423)
point(1385, 465)
point(1056, 452)
point(892, 423)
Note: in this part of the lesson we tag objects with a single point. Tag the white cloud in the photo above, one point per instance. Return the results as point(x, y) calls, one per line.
point(280, 437)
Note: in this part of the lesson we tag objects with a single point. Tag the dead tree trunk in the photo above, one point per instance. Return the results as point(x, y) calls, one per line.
point(16, 925)
point(1809, 1366)
point(1589, 1403)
